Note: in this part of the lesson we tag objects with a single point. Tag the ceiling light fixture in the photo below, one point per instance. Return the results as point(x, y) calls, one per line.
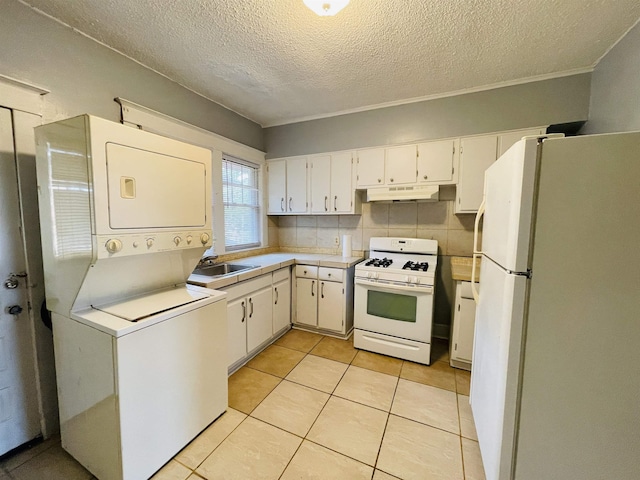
point(326, 8)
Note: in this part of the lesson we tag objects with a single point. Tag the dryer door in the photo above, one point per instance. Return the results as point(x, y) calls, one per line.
point(151, 190)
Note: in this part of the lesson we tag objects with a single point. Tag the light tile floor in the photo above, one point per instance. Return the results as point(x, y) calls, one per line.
point(315, 407)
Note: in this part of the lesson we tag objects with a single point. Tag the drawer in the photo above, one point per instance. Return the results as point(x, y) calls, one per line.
point(465, 289)
point(279, 275)
point(331, 274)
point(306, 271)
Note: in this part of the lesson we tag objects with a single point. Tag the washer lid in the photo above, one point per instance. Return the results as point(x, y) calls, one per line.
point(137, 308)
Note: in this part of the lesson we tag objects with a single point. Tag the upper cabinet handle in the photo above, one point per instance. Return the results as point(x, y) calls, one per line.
point(335, 203)
point(290, 199)
point(282, 204)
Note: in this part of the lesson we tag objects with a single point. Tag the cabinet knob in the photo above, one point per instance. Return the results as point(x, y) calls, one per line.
point(391, 179)
point(425, 177)
point(379, 180)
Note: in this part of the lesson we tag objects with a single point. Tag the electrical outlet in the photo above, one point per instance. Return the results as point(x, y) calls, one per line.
point(336, 240)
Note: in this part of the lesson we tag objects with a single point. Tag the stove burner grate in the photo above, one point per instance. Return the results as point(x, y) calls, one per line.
point(379, 262)
point(415, 266)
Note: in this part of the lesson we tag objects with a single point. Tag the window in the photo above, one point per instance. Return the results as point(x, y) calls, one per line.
point(240, 196)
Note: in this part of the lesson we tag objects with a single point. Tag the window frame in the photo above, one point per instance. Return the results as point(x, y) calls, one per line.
point(258, 207)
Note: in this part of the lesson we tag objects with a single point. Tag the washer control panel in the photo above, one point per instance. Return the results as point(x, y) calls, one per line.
point(136, 244)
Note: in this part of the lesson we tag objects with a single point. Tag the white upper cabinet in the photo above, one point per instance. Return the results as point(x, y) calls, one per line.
point(277, 185)
point(342, 191)
point(320, 183)
point(438, 162)
point(506, 140)
point(297, 185)
point(331, 187)
point(287, 185)
point(400, 164)
point(370, 167)
point(476, 155)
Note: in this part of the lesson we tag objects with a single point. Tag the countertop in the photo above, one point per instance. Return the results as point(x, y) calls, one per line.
point(271, 262)
point(461, 268)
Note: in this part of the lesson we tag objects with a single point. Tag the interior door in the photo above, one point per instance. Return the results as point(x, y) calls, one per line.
point(19, 414)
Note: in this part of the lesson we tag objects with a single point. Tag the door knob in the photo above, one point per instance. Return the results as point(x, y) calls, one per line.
point(14, 310)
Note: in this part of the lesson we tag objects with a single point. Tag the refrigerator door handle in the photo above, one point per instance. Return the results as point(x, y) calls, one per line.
point(476, 251)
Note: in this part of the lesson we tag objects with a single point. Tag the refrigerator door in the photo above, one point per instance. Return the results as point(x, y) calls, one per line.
point(508, 202)
point(496, 366)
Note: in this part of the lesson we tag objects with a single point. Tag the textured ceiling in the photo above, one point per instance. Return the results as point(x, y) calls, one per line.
point(274, 61)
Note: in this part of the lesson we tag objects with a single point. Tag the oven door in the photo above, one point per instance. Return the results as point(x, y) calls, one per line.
point(394, 309)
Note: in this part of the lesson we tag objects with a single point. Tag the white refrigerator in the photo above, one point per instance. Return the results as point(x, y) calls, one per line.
point(555, 382)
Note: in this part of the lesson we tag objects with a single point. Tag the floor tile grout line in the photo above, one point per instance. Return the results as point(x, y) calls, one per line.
point(395, 390)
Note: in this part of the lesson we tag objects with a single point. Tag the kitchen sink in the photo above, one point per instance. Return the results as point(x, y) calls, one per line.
point(221, 269)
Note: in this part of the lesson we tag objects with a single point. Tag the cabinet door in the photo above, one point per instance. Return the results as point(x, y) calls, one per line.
point(331, 306)
point(400, 164)
point(296, 185)
point(506, 140)
point(465, 320)
point(281, 305)
point(320, 184)
point(342, 191)
point(476, 155)
point(307, 301)
point(437, 163)
point(259, 318)
point(276, 185)
point(370, 167)
point(237, 329)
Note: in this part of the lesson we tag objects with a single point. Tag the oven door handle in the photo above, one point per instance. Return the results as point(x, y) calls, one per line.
point(393, 286)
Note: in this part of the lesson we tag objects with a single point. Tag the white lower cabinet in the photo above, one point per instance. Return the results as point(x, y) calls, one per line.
point(257, 310)
point(463, 327)
point(324, 298)
point(281, 300)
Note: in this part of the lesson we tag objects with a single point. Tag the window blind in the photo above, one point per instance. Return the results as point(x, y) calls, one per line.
point(240, 196)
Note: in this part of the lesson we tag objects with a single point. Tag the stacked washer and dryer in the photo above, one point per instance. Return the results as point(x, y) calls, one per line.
point(140, 355)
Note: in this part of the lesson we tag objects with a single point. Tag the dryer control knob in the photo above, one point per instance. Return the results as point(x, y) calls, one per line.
point(204, 238)
point(189, 239)
point(113, 245)
point(177, 240)
point(149, 242)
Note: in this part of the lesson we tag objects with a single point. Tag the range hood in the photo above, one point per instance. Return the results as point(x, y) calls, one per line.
point(421, 193)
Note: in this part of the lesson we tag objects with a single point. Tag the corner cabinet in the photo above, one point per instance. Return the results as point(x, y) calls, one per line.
point(324, 299)
point(257, 311)
point(287, 186)
point(476, 155)
point(463, 327)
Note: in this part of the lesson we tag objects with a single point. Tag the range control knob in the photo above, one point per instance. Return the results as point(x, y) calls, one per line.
point(177, 240)
point(189, 239)
point(113, 245)
point(149, 242)
point(204, 238)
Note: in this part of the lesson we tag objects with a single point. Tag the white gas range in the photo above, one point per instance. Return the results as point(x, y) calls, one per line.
point(394, 287)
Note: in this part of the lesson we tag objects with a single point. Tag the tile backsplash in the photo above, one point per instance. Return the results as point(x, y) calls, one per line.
point(434, 220)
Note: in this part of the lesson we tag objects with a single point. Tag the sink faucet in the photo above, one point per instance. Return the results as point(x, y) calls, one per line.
point(207, 261)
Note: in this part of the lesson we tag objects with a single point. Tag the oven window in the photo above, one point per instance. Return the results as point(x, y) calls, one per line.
point(392, 306)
